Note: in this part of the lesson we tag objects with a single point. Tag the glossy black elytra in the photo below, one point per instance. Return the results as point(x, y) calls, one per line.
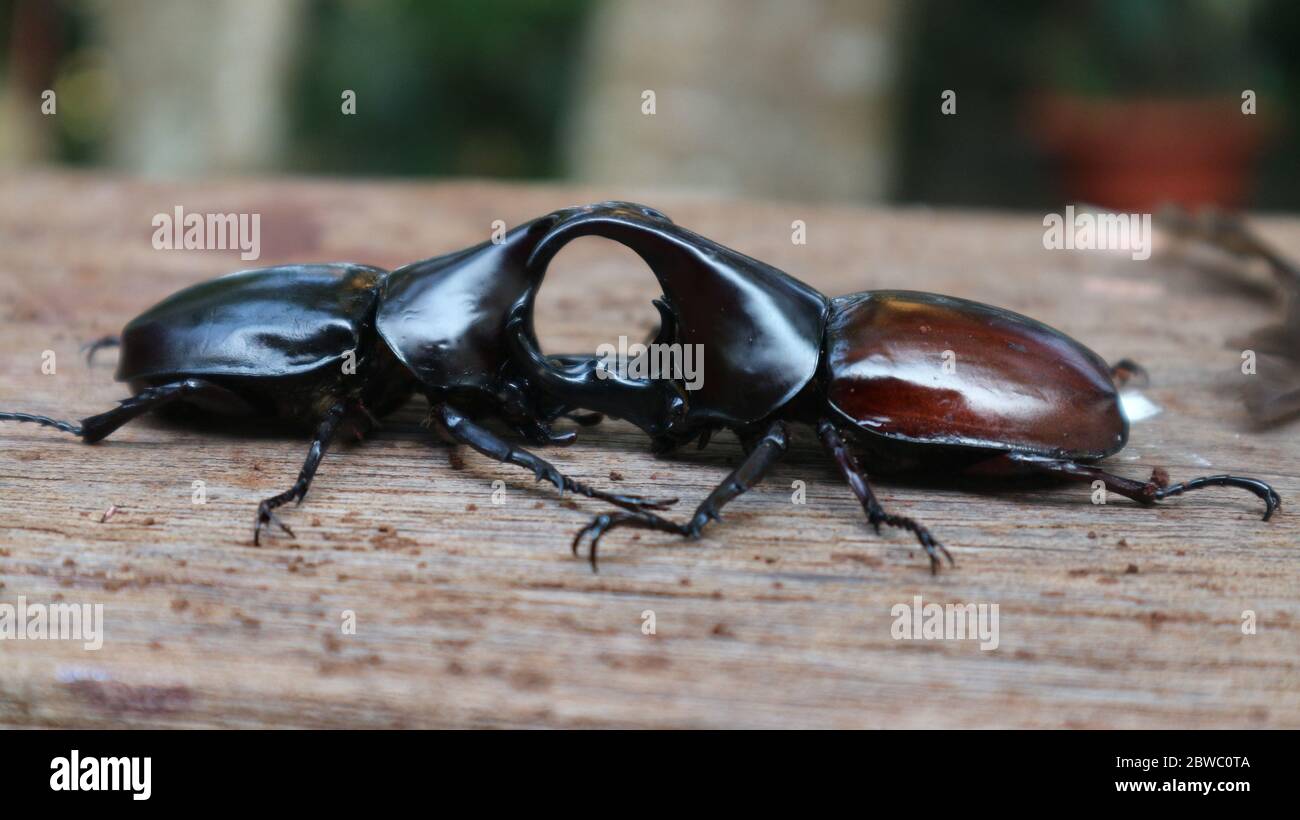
point(866, 370)
point(327, 344)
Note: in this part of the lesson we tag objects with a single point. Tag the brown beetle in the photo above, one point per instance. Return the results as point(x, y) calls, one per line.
point(866, 370)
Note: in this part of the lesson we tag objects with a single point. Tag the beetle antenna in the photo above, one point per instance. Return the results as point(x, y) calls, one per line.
point(65, 426)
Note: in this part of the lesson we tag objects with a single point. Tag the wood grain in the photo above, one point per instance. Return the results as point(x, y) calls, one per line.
point(475, 614)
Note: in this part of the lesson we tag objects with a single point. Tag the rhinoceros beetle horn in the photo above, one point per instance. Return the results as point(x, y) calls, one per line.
point(756, 331)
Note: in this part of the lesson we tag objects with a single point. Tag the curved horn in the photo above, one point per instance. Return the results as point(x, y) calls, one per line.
point(759, 329)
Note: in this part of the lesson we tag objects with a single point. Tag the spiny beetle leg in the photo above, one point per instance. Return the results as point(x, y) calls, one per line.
point(96, 428)
point(458, 428)
point(761, 455)
point(764, 452)
point(1145, 492)
point(266, 516)
point(876, 515)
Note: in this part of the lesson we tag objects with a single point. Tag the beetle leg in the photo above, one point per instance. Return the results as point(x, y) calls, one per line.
point(1126, 370)
point(876, 515)
point(329, 425)
point(1229, 233)
point(461, 429)
point(91, 348)
point(1146, 492)
point(95, 428)
point(762, 453)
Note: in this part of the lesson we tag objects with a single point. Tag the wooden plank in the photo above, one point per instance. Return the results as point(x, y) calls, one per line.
point(470, 613)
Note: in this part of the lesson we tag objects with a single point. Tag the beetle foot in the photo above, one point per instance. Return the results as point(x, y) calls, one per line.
point(546, 472)
point(91, 348)
point(601, 524)
point(1266, 493)
point(265, 517)
point(933, 549)
point(706, 513)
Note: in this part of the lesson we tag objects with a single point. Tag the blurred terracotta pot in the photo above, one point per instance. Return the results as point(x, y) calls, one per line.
point(1137, 154)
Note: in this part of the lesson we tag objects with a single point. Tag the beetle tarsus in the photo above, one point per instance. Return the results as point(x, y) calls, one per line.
point(602, 524)
point(933, 549)
point(45, 421)
point(91, 348)
point(265, 517)
point(1265, 492)
point(1149, 492)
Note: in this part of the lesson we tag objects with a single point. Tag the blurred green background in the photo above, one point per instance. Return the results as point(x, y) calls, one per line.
point(1120, 102)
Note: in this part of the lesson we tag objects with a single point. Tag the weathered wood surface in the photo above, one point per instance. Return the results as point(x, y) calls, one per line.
point(474, 614)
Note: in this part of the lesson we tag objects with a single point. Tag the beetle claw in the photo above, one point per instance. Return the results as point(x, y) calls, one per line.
point(933, 549)
point(596, 528)
point(265, 517)
point(1271, 504)
point(658, 504)
point(549, 473)
point(601, 524)
point(577, 538)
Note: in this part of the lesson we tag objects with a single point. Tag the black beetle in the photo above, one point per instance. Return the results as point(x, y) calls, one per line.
point(325, 344)
point(866, 370)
